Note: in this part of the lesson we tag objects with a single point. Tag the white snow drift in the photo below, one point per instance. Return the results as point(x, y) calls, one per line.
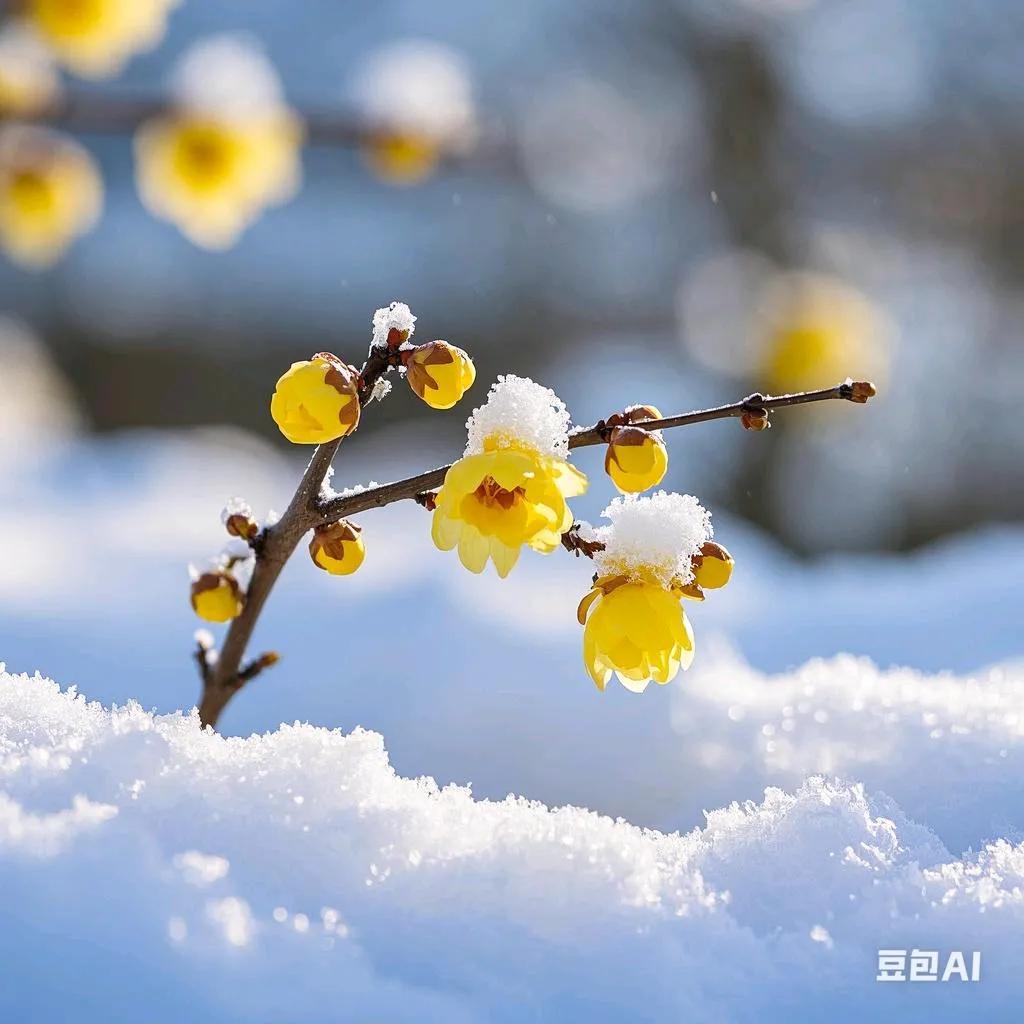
point(154, 872)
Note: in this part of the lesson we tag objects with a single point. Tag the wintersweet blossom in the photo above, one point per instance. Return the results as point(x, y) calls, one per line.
point(50, 193)
point(439, 373)
point(95, 38)
point(338, 548)
point(217, 597)
point(511, 486)
point(28, 76)
point(651, 552)
point(636, 459)
point(229, 149)
point(317, 400)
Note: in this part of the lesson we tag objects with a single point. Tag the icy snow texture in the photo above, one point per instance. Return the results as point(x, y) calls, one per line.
point(397, 316)
point(658, 534)
point(523, 413)
point(295, 876)
point(420, 86)
point(227, 75)
point(236, 507)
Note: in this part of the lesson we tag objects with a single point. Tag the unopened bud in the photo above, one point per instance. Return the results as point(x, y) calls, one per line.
point(317, 400)
point(217, 597)
point(755, 419)
point(439, 373)
point(338, 548)
point(636, 459)
point(712, 568)
point(861, 390)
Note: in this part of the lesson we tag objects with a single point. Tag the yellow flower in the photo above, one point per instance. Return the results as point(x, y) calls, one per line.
point(94, 38)
point(317, 400)
point(338, 548)
point(635, 628)
point(712, 568)
point(217, 597)
point(402, 158)
point(494, 502)
point(214, 175)
point(50, 193)
point(819, 331)
point(28, 77)
point(439, 373)
point(636, 459)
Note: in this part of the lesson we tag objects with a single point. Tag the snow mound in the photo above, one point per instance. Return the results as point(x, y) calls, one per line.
point(227, 75)
point(294, 875)
point(659, 534)
point(395, 316)
point(520, 411)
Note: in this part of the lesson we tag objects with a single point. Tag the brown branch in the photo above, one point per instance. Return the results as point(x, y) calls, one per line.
point(307, 510)
point(224, 679)
point(414, 486)
point(577, 545)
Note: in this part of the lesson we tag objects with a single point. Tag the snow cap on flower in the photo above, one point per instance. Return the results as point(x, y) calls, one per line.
point(395, 317)
point(28, 76)
point(520, 412)
point(656, 536)
point(227, 75)
point(418, 86)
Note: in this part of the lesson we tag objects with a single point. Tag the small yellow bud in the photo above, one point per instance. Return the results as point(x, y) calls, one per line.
point(240, 525)
point(439, 373)
point(636, 459)
point(317, 400)
point(217, 597)
point(402, 158)
point(338, 548)
point(712, 568)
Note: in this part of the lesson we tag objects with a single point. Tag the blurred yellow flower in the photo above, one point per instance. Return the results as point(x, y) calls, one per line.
point(28, 77)
point(213, 175)
point(401, 158)
point(818, 331)
point(94, 38)
point(50, 193)
point(635, 628)
point(494, 502)
point(439, 373)
point(338, 548)
point(217, 597)
point(317, 400)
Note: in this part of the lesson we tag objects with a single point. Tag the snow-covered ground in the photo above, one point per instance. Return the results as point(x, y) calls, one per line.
point(142, 862)
point(154, 872)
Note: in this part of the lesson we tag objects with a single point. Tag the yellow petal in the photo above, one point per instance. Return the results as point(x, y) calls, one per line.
point(474, 549)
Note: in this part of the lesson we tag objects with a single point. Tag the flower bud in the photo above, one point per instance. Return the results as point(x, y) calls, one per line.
point(439, 373)
point(402, 158)
point(712, 568)
point(317, 400)
point(217, 597)
point(636, 459)
point(338, 548)
point(755, 419)
point(238, 520)
point(861, 391)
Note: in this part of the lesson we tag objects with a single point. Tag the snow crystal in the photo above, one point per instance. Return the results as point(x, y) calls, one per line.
point(381, 390)
point(659, 533)
point(397, 317)
point(449, 908)
point(227, 75)
point(236, 507)
point(520, 412)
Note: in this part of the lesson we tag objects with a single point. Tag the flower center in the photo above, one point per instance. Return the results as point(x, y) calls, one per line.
point(490, 493)
point(31, 193)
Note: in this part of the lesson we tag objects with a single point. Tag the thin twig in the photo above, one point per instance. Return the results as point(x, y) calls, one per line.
point(413, 486)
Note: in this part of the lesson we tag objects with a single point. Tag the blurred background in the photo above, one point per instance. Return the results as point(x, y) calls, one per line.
point(673, 203)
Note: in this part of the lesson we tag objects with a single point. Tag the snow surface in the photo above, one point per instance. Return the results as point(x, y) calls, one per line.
point(294, 875)
point(659, 533)
point(520, 411)
point(229, 75)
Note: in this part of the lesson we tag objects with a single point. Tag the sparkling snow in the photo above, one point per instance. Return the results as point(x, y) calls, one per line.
point(519, 411)
point(659, 533)
point(127, 838)
point(397, 316)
